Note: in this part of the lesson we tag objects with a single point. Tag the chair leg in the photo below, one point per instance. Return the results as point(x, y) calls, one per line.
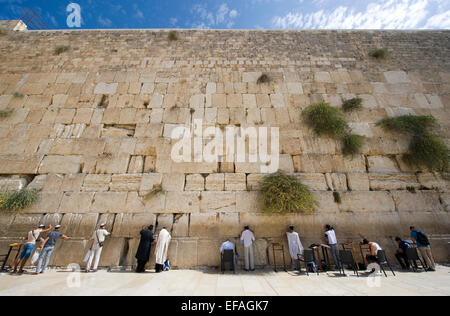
point(355, 267)
point(384, 271)
point(423, 265)
point(391, 268)
point(306, 268)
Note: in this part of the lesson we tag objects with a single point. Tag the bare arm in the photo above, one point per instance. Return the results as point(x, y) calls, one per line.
point(43, 244)
point(65, 237)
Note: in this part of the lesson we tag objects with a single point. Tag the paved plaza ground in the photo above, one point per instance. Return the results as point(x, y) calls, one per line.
point(210, 282)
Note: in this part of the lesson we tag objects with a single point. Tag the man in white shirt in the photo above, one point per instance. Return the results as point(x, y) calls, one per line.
point(247, 238)
point(228, 245)
point(295, 247)
point(96, 247)
point(29, 246)
point(330, 236)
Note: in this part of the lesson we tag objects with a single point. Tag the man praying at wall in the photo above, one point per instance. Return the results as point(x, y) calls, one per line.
point(162, 246)
point(247, 238)
point(144, 249)
point(295, 247)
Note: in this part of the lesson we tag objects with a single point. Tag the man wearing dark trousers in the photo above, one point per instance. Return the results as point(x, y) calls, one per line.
point(145, 245)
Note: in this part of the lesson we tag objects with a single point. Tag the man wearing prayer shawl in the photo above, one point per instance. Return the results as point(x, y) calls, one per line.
point(295, 246)
point(162, 245)
point(145, 245)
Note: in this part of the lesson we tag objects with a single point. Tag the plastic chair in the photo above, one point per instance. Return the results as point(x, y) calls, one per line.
point(309, 258)
point(413, 255)
point(382, 260)
point(348, 259)
point(228, 257)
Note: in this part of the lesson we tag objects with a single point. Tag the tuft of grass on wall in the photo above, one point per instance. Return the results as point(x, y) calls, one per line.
point(426, 147)
point(352, 144)
point(337, 197)
point(5, 113)
point(264, 78)
point(60, 49)
point(103, 102)
point(17, 200)
point(282, 193)
point(325, 120)
point(3, 31)
point(354, 104)
point(157, 189)
point(173, 36)
point(18, 94)
point(380, 53)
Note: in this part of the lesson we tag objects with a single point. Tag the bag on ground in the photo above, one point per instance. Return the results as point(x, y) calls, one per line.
point(166, 265)
point(87, 256)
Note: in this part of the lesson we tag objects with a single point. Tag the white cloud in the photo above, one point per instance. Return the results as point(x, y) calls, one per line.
point(104, 21)
point(207, 19)
point(379, 14)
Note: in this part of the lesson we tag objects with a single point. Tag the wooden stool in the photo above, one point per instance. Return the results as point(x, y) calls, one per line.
point(278, 247)
point(6, 257)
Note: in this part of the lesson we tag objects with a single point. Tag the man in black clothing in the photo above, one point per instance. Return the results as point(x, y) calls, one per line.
point(143, 252)
point(401, 253)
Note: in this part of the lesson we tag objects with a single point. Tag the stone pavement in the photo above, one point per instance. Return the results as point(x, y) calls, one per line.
point(211, 283)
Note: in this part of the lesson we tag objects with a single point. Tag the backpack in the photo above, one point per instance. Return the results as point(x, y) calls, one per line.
point(166, 266)
point(422, 239)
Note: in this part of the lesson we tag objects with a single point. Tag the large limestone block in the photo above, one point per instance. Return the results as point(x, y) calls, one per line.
point(130, 225)
point(434, 181)
point(366, 201)
point(326, 202)
point(214, 225)
point(180, 227)
point(215, 182)
point(445, 198)
point(80, 225)
point(396, 77)
point(13, 184)
point(424, 201)
point(6, 219)
point(125, 182)
point(254, 181)
point(96, 182)
point(187, 254)
point(105, 88)
point(173, 182)
point(217, 201)
point(358, 181)
point(70, 252)
point(381, 164)
point(188, 167)
point(23, 223)
point(61, 164)
point(76, 202)
point(339, 181)
point(12, 164)
point(38, 182)
point(249, 201)
point(114, 252)
point(260, 250)
point(388, 182)
point(208, 255)
point(46, 203)
point(195, 182)
point(153, 203)
point(182, 202)
point(115, 164)
point(235, 182)
point(149, 181)
point(109, 202)
point(314, 181)
point(73, 182)
point(311, 163)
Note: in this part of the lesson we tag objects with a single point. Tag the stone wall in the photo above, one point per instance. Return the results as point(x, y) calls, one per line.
point(90, 128)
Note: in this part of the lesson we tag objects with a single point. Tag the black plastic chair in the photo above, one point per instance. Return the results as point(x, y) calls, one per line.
point(413, 256)
point(348, 259)
point(382, 260)
point(309, 259)
point(228, 257)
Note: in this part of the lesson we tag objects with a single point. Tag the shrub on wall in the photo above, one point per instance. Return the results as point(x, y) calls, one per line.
point(17, 200)
point(263, 79)
point(352, 105)
point(5, 113)
point(327, 120)
point(284, 193)
point(173, 36)
point(426, 147)
point(60, 49)
point(380, 53)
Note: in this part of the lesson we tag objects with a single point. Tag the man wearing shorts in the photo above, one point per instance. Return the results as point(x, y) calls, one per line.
point(28, 248)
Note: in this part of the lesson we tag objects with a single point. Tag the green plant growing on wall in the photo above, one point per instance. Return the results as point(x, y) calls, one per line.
point(263, 79)
point(157, 189)
point(354, 104)
point(17, 200)
point(173, 36)
point(352, 144)
point(60, 49)
point(337, 197)
point(3, 31)
point(380, 53)
point(5, 113)
point(329, 121)
point(282, 193)
point(426, 147)
point(18, 95)
point(103, 102)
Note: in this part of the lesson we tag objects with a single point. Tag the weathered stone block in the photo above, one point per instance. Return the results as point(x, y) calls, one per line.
point(235, 182)
point(366, 201)
point(182, 202)
point(382, 164)
point(125, 182)
point(180, 227)
point(358, 181)
point(214, 225)
point(12, 164)
point(130, 225)
point(215, 182)
point(434, 181)
point(421, 201)
point(109, 202)
point(390, 182)
point(173, 182)
point(195, 182)
point(216, 201)
point(80, 225)
point(96, 182)
point(79, 202)
point(339, 181)
point(105, 88)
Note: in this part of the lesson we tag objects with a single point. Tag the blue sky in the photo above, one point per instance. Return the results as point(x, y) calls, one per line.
point(241, 14)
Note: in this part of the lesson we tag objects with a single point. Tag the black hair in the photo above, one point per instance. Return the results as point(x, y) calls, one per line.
point(291, 227)
point(150, 227)
point(412, 227)
point(398, 239)
point(247, 227)
point(365, 242)
point(329, 227)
